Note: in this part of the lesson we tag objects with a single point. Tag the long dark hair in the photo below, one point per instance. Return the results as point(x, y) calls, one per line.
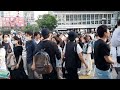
point(18, 39)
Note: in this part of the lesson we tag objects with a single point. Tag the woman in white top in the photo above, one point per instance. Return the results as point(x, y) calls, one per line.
point(116, 65)
point(87, 50)
point(2, 58)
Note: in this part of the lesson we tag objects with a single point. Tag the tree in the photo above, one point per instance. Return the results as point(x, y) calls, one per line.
point(33, 28)
point(47, 21)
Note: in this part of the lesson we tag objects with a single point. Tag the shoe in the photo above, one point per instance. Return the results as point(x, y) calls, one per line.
point(88, 72)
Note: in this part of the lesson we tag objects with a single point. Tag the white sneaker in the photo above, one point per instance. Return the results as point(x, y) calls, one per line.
point(88, 72)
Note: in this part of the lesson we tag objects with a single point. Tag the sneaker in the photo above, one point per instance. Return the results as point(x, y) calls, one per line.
point(88, 72)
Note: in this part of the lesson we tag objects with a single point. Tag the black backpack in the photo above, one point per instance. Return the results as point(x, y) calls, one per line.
point(71, 57)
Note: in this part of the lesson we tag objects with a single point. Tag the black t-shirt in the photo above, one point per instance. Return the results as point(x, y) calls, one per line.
point(51, 48)
point(18, 51)
point(101, 49)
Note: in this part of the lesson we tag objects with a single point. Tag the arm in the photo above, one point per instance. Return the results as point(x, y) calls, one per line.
point(20, 57)
point(79, 52)
point(106, 53)
point(83, 61)
point(109, 59)
point(63, 53)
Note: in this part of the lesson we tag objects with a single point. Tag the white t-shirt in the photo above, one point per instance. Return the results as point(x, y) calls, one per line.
point(115, 40)
point(59, 62)
point(2, 59)
point(113, 53)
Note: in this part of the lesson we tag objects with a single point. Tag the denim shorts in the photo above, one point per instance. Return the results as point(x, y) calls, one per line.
point(100, 74)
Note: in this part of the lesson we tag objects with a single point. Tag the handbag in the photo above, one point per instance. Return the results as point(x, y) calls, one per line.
point(118, 57)
point(4, 74)
point(11, 60)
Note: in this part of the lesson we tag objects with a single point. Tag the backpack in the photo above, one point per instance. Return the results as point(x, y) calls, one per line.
point(72, 59)
point(42, 63)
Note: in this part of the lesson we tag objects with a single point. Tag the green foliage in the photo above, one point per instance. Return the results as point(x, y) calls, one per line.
point(32, 28)
point(47, 21)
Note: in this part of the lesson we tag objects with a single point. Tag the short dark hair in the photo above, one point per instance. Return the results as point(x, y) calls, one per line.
point(101, 29)
point(45, 33)
point(36, 33)
point(58, 40)
point(118, 22)
point(29, 33)
point(72, 35)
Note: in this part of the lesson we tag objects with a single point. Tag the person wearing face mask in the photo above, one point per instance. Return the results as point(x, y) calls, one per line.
point(37, 37)
point(18, 72)
point(6, 44)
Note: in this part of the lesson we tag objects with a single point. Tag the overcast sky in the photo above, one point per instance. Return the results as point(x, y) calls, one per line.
point(37, 13)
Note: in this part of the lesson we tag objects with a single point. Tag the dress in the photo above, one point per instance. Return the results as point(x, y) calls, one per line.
point(20, 72)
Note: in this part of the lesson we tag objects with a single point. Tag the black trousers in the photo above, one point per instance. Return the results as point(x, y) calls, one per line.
point(72, 73)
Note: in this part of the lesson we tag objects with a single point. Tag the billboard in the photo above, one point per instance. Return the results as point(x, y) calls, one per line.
point(13, 21)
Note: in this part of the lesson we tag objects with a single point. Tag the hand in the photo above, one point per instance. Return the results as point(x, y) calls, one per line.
point(17, 66)
point(13, 67)
point(33, 67)
point(86, 66)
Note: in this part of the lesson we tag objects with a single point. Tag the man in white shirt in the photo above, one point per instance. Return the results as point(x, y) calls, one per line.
point(115, 42)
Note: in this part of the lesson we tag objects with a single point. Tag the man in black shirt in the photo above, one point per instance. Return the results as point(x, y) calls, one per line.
point(53, 51)
point(102, 57)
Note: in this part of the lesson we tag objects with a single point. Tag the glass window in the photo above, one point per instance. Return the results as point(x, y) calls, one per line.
point(92, 22)
point(75, 18)
point(100, 16)
point(96, 16)
point(84, 16)
point(96, 22)
point(100, 22)
point(92, 16)
point(79, 17)
point(109, 16)
point(71, 17)
point(67, 17)
point(105, 15)
point(84, 22)
point(109, 21)
point(88, 16)
point(88, 22)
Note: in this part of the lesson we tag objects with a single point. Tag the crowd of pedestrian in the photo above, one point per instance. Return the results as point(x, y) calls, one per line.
point(68, 53)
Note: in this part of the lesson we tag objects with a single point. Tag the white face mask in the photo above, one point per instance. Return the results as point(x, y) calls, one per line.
point(13, 42)
point(8, 39)
point(27, 38)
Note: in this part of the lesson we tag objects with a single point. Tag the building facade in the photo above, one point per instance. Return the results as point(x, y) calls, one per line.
point(81, 20)
point(11, 19)
point(29, 17)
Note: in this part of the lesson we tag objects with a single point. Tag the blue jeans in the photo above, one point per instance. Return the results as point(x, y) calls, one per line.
point(100, 74)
